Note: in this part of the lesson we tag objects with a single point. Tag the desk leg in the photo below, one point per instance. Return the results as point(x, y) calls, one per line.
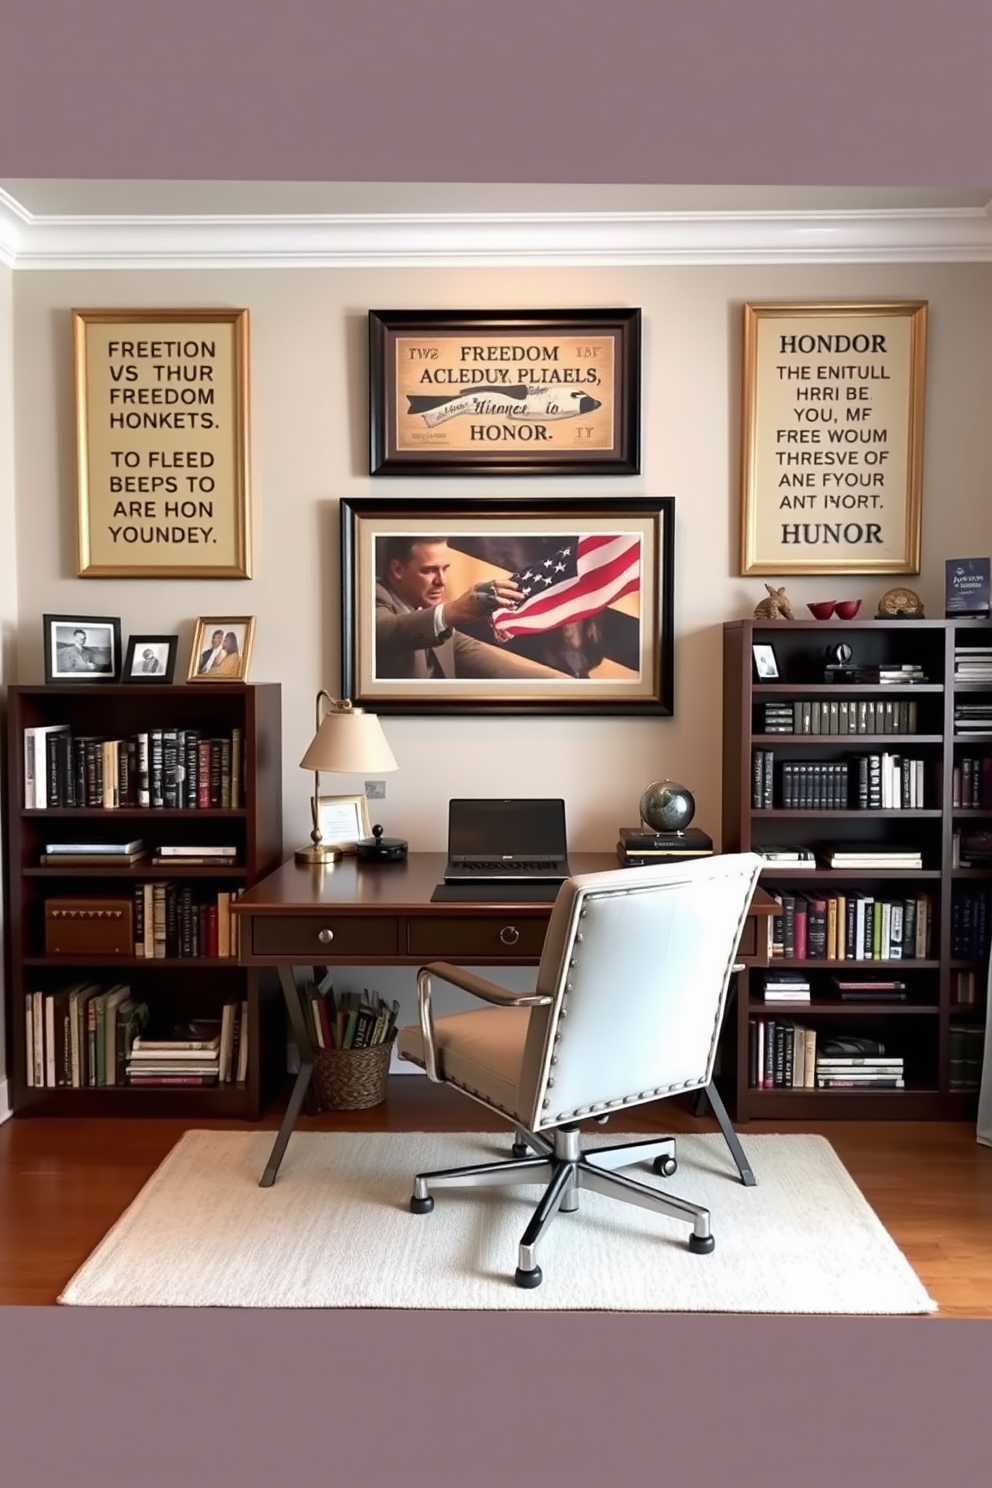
point(712, 1095)
point(301, 1089)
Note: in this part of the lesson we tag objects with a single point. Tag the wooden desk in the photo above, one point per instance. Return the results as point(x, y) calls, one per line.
point(352, 914)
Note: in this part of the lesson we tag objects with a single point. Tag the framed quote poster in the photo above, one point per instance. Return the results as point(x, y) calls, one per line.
point(162, 443)
point(832, 438)
point(464, 605)
point(501, 392)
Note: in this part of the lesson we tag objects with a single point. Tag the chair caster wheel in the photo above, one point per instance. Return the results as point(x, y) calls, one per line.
point(421, 1206)
point(701, 1244)
point(520, 1149)
point(665, 1167)
point(528, 1279)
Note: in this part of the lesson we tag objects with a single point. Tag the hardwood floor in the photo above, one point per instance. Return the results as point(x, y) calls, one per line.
point(63, 1183)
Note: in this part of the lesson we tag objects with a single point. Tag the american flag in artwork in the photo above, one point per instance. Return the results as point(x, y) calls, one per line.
point(579, 580)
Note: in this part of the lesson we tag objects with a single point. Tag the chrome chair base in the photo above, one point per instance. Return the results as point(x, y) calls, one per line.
point(566, 1169)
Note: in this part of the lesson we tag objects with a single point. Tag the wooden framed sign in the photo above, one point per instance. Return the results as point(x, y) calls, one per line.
point(162, 443)
point(832, 438)
point(504, 392)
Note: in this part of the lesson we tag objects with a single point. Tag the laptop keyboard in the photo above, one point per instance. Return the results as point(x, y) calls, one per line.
point(498, 865)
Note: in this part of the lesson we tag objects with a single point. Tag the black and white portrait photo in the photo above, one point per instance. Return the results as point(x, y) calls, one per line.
point(81, 648)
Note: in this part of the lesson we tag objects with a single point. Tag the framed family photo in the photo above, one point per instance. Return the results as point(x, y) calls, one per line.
point(501, 392)
point(82, 648)
point(150, 658)
point(221, 648)
point(469, 606)
point(832, 437)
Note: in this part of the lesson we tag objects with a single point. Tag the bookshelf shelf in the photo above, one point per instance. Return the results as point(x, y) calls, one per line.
point(955, 903)
point(237, 729)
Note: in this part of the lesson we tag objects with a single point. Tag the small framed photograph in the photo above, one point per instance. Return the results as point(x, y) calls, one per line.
point(343, 821)
point(765, 663)
point(221, 648)
point(150, 658)
point(82, 648)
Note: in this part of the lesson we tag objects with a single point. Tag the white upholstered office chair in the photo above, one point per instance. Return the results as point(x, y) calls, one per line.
point(628, 1006)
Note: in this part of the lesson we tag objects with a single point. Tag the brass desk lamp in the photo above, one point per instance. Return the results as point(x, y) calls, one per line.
point(346, 741)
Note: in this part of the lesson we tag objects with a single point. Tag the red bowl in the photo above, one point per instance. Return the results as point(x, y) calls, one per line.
point(822, 609)
point(847, 608)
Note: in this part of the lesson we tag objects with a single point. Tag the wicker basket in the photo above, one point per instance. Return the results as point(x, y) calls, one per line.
point(352, 1079)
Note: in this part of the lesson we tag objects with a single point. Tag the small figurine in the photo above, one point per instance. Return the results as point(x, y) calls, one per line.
point(775, 607)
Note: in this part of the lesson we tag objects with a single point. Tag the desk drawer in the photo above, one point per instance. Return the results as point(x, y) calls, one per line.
point(300, 935)
point(499, 936)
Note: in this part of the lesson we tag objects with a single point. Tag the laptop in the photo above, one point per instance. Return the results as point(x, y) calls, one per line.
point(506, 841)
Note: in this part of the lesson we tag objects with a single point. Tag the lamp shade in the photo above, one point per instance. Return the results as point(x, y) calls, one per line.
point(348, 742)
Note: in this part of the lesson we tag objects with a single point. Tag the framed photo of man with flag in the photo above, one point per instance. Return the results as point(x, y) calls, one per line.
point(521, 606)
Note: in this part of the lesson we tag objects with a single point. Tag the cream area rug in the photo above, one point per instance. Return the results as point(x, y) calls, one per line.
point(335, 1230)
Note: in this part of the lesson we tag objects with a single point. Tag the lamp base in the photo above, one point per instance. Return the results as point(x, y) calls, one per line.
point(319, 853)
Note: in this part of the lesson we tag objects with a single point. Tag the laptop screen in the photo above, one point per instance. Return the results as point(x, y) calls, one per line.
point(506, 829)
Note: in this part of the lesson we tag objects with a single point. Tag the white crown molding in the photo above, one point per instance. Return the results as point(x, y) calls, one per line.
point(504, 240)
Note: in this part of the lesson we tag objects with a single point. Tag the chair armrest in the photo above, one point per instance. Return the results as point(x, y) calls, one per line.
point(468, 982)
point(480, 987)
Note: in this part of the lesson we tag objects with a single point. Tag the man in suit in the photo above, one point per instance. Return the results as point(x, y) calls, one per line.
point(149, 661)
point(416, 623)
point(81, 658)
point(214, 653)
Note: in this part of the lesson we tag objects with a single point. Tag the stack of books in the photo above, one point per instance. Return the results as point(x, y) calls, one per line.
point(103, 854)
point(858, 1064)
point(973, 663)
point(908, 672)
point(872, 855)
point(780, 718)
point(973, 718)
point(785, 857)
point(639, 847)
point(869, 989)
point(203, 1052)
point(211, 855)
point(786, 986)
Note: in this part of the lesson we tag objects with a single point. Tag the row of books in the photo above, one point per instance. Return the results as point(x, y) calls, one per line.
point(794, 986)
point(842, 716)
point(81, 1034)
point(783, 1055)
point(971, 781)
point(970, 922)
point(964, 988)
point(179, 920)
point(351, 1020)
point(971, 848)
point(866, 782)
point(197, 1054)
point(966, 1044)
point(855, 926)
point(167, 768)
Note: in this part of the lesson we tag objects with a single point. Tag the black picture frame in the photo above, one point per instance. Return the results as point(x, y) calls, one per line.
point(617, 657)
point(765, 662)
point(97, 658)
point(134, 669)
point(430, 370)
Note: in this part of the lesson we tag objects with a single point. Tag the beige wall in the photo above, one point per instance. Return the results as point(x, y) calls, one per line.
point(8, 559)
point(309, 434)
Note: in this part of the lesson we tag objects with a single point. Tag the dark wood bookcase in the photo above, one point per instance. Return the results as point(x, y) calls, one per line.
point(176, 989)
point(920, 1029)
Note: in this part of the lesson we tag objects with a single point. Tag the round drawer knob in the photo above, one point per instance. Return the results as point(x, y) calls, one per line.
point(509, 935)
point(325, 936)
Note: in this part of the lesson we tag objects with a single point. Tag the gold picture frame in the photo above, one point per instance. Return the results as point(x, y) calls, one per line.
point(832, 437)
point(343, 821)
point(162, 444)
point(216, 639)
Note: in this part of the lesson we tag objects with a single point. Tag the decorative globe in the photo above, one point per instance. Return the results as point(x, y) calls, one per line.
point(667, 806)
